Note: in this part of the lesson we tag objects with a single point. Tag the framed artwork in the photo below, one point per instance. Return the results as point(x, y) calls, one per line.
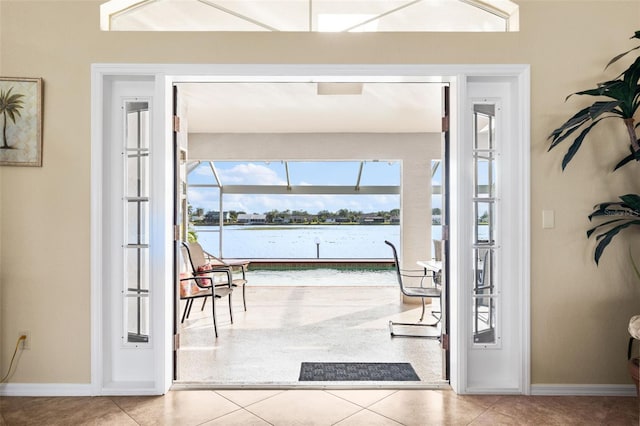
point(20, 121)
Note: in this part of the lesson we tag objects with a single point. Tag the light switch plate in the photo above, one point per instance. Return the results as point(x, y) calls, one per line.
point(548, 219)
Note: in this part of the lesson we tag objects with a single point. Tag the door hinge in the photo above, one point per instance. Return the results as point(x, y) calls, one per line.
point(176, 123)
point(176, 342)
point(445, 232)
point(176, 232)
point(445, 123)
point(444, 342)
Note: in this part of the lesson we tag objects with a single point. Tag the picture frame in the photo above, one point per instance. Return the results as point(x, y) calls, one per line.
point(21, 121)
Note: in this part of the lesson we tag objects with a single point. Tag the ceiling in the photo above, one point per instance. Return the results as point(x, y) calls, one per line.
point(298, 108)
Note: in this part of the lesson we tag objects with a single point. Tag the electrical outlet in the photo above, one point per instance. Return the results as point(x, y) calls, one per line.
point(26, 343)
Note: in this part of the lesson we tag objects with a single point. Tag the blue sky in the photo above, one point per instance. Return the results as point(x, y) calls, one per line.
point(300, 173)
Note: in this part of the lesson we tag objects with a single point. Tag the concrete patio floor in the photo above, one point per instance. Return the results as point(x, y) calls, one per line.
point(284, 326)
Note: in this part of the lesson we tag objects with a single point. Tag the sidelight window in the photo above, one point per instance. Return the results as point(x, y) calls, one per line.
point(485, 294)
point(136, 215)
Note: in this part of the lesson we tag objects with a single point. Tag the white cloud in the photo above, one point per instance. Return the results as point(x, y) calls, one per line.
point(252, 203)
point(250, 174)
point(206, 199)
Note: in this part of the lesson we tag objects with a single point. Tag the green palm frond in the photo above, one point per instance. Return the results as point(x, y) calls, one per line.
point(623, 54)
point(623, 94)
point(624, 215)
point(10, 104)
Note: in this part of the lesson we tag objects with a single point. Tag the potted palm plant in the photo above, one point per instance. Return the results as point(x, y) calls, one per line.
point(615, 100)
point(634, 330)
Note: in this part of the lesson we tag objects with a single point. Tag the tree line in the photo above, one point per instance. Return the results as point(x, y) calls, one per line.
point(199, 216)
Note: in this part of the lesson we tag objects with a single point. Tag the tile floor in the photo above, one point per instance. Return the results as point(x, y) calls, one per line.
point(319, 407)
point(301, 312)
point(287, 325)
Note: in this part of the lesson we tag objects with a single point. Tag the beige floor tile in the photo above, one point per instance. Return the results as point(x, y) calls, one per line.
point(179, 407)
point(566, 410)
point(485, 401)
point(110, 419)
point(247, 397)
point(303, 407)
point(238, 418)
point(428, 408)
point(623, 411)
point(318, 407)
point(362, 397)
point(368, 418)
point(494, 418)
point(61, 411)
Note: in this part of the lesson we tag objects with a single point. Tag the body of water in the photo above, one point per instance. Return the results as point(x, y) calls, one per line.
point(299, 241)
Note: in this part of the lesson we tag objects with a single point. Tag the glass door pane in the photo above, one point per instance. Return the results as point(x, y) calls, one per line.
point(485, 296)
point(136, 215)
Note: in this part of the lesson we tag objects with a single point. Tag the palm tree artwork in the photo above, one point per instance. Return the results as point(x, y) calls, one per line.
point(10, 105)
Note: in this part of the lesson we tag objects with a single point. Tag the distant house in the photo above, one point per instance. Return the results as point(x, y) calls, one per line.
point(213, 217)
point(252, 219)
point(395, 220)
point(371, 220)
point(299, 219)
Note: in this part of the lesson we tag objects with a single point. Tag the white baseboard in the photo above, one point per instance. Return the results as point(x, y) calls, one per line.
point(73, 389)
point(583, 390)
point(45, 389)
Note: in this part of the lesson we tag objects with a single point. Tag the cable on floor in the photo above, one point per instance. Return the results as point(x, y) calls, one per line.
point(21, 338)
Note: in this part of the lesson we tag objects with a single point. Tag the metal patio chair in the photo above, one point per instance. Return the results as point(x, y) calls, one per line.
point(196, 283)
point(422, 292)
point(238, 268)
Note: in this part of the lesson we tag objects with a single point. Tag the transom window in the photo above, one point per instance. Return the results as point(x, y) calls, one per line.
point(310, 15)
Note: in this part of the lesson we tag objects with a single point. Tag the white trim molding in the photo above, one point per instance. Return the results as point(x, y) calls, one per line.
point(45, 389)
point(583, 390)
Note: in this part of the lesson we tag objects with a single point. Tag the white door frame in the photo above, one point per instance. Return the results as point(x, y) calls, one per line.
point(104, 374)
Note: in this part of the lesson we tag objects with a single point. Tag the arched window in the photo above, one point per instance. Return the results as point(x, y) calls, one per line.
point(310, 15)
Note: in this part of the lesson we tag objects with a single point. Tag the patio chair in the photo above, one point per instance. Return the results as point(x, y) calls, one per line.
point(421, 291)
point(215, 282)
point(201, 259)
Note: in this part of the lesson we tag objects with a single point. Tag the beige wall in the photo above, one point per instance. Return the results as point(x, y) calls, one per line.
point(579, 312)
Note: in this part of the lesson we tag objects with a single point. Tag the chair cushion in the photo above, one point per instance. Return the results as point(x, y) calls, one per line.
point(187, 287)
point(204, 270)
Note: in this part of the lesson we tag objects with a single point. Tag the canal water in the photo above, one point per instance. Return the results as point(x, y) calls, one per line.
point(299, 241)
point(308, 242)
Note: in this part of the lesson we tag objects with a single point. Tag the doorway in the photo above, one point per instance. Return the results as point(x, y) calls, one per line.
point(383, 125)
point(146, 367)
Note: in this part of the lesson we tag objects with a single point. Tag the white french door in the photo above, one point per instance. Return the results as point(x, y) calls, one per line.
point(498, 317)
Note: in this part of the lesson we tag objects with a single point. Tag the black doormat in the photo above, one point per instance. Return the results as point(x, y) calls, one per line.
point(357, 371)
